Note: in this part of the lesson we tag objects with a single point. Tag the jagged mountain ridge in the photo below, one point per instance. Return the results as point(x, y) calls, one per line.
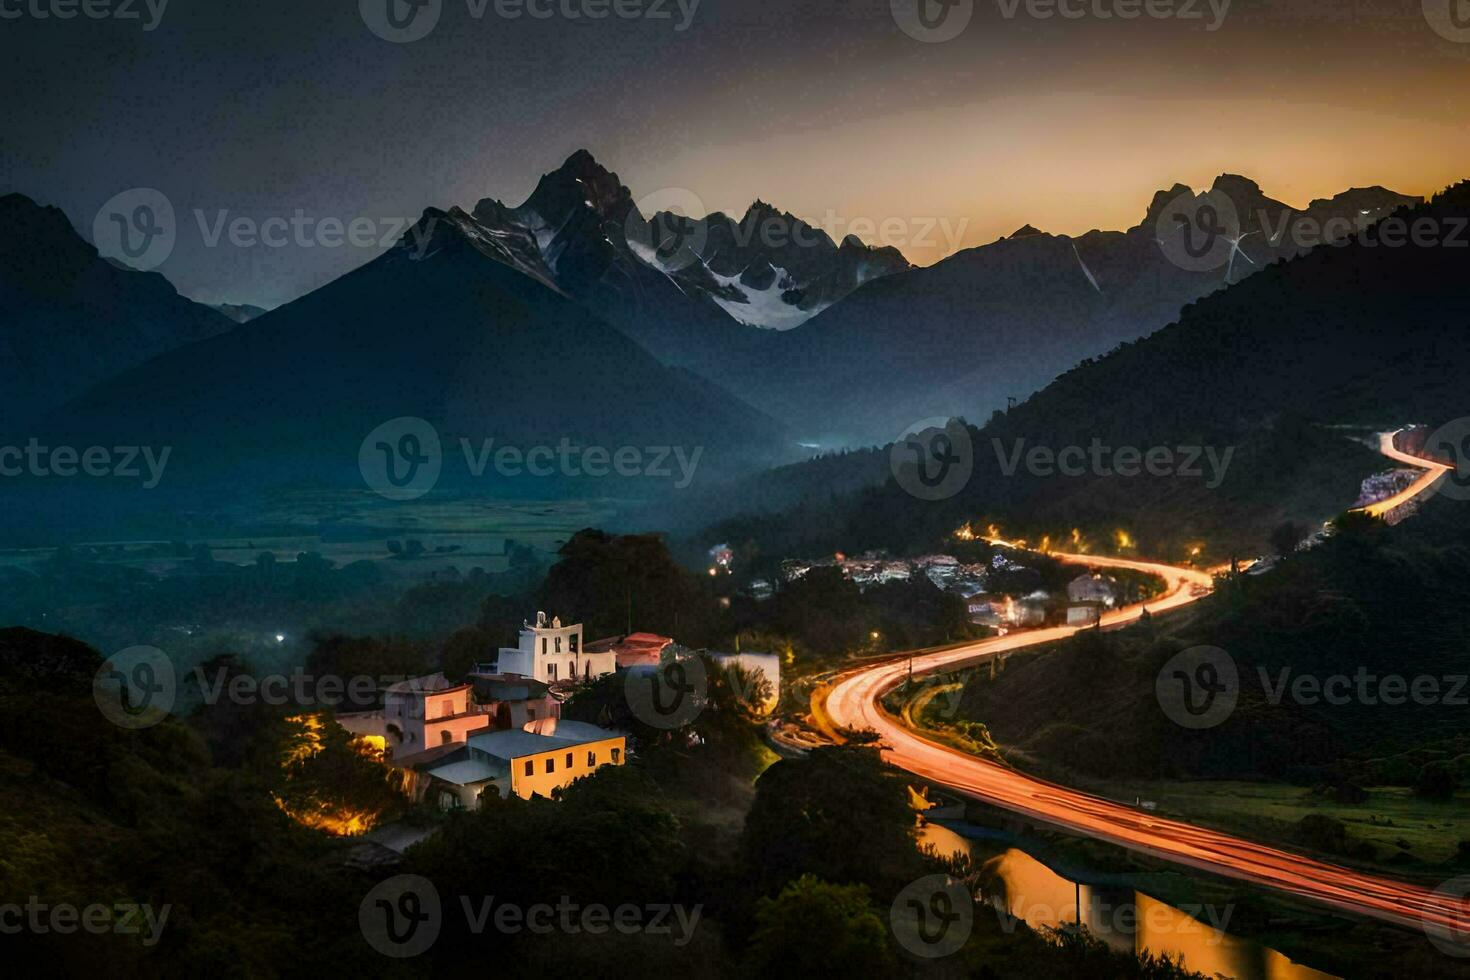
point(1001, 320)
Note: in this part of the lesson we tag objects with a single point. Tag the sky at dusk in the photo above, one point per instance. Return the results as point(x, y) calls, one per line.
point(828, 110)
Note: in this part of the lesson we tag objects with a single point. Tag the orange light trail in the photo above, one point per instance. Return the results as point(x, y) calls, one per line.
point(854, 702)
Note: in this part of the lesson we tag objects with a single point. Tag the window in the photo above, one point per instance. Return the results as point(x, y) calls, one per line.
point(543, 644)
point(444, 737)
point(551, 671)
point(530, 768)
point(550, 764)
point(558, 644)
point(530, 713)
point(569, 760)
point(572, 643)
point(592, 760)
point(615, 754)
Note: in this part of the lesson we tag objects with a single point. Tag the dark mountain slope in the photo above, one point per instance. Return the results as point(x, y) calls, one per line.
point(69, 318)
point(443, 332)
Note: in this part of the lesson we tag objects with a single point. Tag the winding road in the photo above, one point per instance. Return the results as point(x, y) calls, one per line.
point(854, 701)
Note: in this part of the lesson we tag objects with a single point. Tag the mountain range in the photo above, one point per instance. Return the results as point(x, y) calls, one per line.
point(868, 343)
point(574, 314)
point(1292, 372)
point(1002, 320)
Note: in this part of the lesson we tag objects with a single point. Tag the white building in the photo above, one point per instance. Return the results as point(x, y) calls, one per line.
point(551, 652)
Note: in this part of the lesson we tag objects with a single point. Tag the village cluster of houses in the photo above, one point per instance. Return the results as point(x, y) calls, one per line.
point(500, 731)
point(1087, 597)
point(877, 568)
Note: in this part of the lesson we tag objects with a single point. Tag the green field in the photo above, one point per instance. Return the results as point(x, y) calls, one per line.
point(1270, 812)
